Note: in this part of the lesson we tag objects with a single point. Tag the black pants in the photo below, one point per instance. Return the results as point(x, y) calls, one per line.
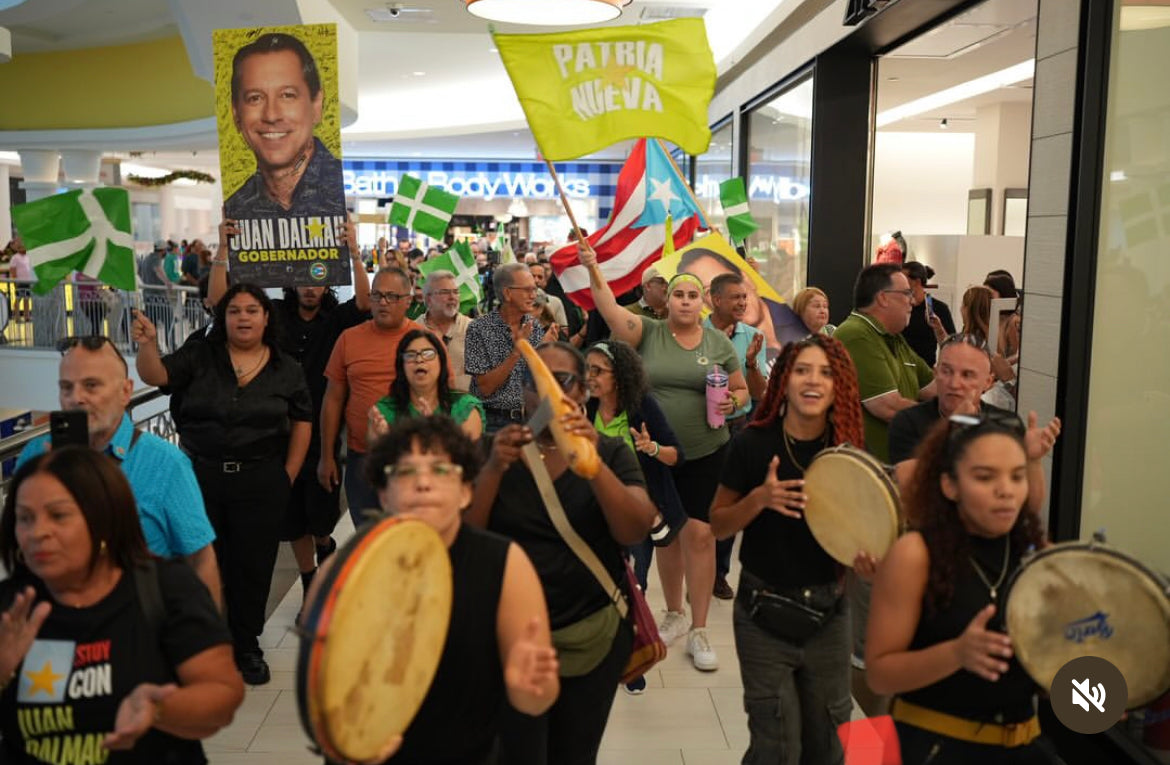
point(246, 509)
point(570, 732)
point(921, 747)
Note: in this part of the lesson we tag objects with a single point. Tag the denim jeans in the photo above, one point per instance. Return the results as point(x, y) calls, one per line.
point(359, 495)
point(794, 696)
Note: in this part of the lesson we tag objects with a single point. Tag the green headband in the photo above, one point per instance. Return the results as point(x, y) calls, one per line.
point(685, 277)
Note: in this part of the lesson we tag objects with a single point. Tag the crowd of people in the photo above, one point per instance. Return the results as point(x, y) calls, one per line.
point(167, 552)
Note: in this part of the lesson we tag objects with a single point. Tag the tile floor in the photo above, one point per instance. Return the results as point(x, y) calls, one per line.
point(685, 717)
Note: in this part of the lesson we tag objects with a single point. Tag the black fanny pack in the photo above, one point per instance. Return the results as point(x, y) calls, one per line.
point(794, 616)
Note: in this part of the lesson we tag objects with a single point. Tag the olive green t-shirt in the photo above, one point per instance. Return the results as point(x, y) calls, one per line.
point(885, 363)
point(678, 381)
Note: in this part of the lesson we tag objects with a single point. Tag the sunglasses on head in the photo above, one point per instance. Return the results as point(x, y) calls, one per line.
point(964, 338)
point(88, 342)
point(963, 427)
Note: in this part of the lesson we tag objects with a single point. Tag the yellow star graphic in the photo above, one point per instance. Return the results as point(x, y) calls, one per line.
point(316, 228)
point(43, 680)
point(616, 75)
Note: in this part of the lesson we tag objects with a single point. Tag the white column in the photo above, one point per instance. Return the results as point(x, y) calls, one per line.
point(1003, 134)
point(5, 205)
point(82, 167)
point(40, 168)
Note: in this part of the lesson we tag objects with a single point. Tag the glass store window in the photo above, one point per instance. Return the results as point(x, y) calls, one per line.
point(1125, 480)
point(712, 169)
point(779, 136)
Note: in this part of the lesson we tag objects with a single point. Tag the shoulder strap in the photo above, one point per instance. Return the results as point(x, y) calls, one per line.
point(134, 438)
point(560, 521)
point(150, 597)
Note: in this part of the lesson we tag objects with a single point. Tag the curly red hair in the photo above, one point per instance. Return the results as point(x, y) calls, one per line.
point(844, 415)
point(936, 517)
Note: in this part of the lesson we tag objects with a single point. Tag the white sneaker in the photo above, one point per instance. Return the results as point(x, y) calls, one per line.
point(672, 626)
point(700, 650)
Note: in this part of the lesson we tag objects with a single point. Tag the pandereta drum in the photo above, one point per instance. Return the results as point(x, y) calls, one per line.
point(852, 505)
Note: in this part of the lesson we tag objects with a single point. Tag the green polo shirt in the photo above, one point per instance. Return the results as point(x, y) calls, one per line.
point(885, 363)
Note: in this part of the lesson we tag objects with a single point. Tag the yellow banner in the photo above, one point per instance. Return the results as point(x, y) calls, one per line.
point(583, 91)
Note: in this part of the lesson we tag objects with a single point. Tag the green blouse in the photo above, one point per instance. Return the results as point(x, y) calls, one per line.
point(460, 404)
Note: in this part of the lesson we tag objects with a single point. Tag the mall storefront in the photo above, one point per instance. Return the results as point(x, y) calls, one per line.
point(1075, 200)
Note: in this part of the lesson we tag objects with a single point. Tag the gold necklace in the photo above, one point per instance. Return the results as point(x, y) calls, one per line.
point(788, 448)
point(993, 589)
point(241, 374)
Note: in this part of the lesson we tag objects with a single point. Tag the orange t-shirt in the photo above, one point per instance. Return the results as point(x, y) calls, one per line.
point(363, 359)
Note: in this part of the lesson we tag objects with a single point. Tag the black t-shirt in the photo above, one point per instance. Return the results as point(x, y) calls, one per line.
point(777, 548)
point(919, 334)
point(963, 694)
point(311, 342)
point(910, 426)
point(460, 716)
point(571, 590)
point(221, 420)
point(86, 660)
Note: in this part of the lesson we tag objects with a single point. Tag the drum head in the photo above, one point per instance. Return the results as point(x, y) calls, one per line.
point(1074, 600)
point(374, 634)
point(852, 504)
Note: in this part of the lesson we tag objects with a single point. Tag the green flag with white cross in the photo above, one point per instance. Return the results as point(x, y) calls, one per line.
point(86, 230)
point(422, 208)
point(459, 261)
point(740, 224)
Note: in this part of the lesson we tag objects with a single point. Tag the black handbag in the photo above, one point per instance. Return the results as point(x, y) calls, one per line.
point(787, 618)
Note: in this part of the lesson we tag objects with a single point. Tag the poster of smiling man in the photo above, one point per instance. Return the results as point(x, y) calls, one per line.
point(280, 154)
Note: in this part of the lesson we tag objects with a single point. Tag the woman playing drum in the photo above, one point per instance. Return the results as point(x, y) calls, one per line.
point(961, 695)
point(497, 651)
point(796, 686)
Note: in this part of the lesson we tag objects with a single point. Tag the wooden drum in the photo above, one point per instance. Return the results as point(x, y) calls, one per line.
point(852, 504)
point(1087, 599)
point(372, 638)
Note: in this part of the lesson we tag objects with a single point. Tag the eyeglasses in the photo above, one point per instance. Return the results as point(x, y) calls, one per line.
point(406, 471)
point(388, 297)
point(906, 293)
point(564, 379)
point(88, 342)
point(529, 290)
point(419, 357)
point(446, 293)
point(595, 371)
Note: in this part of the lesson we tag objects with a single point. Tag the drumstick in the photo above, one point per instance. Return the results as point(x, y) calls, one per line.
point(579, 451)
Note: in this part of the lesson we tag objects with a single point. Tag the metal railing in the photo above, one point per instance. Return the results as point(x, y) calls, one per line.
point(160, 424)
point(91, 308)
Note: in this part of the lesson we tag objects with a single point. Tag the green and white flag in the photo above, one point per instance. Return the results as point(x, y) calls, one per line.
point(459, 261)
point(86, 230)
point(507, 254)
point(735, 206)
point(422, 208)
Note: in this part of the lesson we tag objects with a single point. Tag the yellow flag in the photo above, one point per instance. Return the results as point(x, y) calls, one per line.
point(583, 91)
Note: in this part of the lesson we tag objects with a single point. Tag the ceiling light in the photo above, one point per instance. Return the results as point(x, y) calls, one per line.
point(1024, 70)
point(554, 13)
point(1138, 16)
point(419, 74)
point(1118, 176)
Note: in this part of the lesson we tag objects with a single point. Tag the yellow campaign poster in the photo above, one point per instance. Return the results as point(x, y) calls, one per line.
point(278, 119)
point(712, 255)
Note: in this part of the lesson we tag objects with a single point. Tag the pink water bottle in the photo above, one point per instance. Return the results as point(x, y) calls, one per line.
point(717, 382)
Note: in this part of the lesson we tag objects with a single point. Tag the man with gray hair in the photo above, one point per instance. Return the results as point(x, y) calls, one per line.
point(490, 354)
point(441, 296)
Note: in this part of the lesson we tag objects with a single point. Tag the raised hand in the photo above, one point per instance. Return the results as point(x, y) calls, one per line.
point(1039, 441)
point(753, 349)
point(532, 667)
point(784, 497)
point(642, 440)
point(142, 330)
point(137, 714)
point(18, 628)
point(551, 335)
point(227, 229)
point(586, 254)
point(982, 651)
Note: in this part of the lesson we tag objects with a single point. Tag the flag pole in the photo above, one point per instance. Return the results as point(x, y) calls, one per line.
point(695, 199)
point(594, 272)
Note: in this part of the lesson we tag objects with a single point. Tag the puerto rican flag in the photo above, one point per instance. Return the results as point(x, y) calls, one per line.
point(648, 189)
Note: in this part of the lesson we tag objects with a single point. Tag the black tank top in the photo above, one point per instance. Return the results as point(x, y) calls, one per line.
point(459, 719)
point(963, 694)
